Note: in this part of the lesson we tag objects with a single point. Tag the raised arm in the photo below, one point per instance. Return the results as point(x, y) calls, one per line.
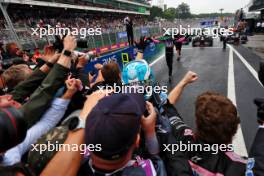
point(40, 100)
point(177, 91)
point(69, 161)
point(27, 87)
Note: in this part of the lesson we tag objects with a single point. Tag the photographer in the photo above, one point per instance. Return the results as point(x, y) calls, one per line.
point(13, 76)
point(118, 140)
point(44, 83)
point(48, 121)
point(256, 151)
point(13, 51)
point(13, 127)
point(14, 56)
point(38, 103)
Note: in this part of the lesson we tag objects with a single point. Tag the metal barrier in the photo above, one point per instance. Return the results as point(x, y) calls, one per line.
point(28, 41)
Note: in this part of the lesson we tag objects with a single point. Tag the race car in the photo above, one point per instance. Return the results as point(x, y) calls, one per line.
point(243, 38)
point(187, 40)
point(202, 40)
point(233, 39)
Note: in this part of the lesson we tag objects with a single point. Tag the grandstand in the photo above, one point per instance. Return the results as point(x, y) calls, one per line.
point(119, 6)
point(18, 16)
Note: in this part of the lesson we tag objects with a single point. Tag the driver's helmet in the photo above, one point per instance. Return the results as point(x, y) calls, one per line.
point(138, 73)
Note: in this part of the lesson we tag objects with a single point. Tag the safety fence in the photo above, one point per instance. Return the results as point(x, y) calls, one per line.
point(27, 41)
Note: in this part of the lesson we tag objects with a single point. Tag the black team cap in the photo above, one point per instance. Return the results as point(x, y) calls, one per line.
point(114, 123)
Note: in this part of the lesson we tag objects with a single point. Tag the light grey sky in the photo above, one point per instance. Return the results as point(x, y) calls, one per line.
point(209, 6)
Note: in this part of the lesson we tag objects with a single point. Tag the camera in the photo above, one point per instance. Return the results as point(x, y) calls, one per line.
point(58, 44)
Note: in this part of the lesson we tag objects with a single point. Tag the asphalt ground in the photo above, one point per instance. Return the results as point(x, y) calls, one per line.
point(231, 72)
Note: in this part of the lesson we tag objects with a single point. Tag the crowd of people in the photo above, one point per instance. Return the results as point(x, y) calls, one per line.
point(94, 4)
point(23, 22)
point(108, 23)
point(58, 120)
point(260, 27)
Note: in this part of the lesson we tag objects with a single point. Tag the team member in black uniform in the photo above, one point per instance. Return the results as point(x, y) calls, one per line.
point(178, 45)
point(216, 124)
point(129, 28)
point(169, 47)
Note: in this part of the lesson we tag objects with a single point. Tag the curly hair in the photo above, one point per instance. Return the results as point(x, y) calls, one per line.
point(216, 118)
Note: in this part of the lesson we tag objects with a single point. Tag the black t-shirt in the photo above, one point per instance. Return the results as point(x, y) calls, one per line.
point(169, 46)
point(86, 170)
point(198, 162)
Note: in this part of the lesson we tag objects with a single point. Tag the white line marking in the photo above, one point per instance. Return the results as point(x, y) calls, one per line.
point(158, 59)
point(249, 67)
point(203, 47)
point(238, 140)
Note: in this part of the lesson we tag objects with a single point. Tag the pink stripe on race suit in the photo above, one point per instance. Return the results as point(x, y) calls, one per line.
point(156, 41)
point(188, 132)
point(181, 39)
point(199, 170)
point(147, 166)
point(234, 157)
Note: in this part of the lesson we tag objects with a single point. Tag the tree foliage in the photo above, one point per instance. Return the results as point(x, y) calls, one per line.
point(182, 11)
point(155, 12)
point(170, 14)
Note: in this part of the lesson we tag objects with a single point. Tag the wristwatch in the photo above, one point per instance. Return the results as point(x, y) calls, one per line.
point(67, 53)
point(76, 123)
point(49, 64)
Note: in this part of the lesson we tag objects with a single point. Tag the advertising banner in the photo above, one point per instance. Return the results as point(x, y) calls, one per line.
point(121, 35)
point(125, 55)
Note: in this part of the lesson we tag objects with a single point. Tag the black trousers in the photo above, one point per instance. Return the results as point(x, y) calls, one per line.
point(130, 37)
point(178, 46)
point(224, 43)
point(169, 60)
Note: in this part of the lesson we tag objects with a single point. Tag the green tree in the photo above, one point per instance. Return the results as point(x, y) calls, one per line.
point(211, 15)
point(170, 14)
point(183, 11)
point(155, 12)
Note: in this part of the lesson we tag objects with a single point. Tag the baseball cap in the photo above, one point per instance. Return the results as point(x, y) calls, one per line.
point(114, 124)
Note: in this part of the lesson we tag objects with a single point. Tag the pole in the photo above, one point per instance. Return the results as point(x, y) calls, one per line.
point(10, 25)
